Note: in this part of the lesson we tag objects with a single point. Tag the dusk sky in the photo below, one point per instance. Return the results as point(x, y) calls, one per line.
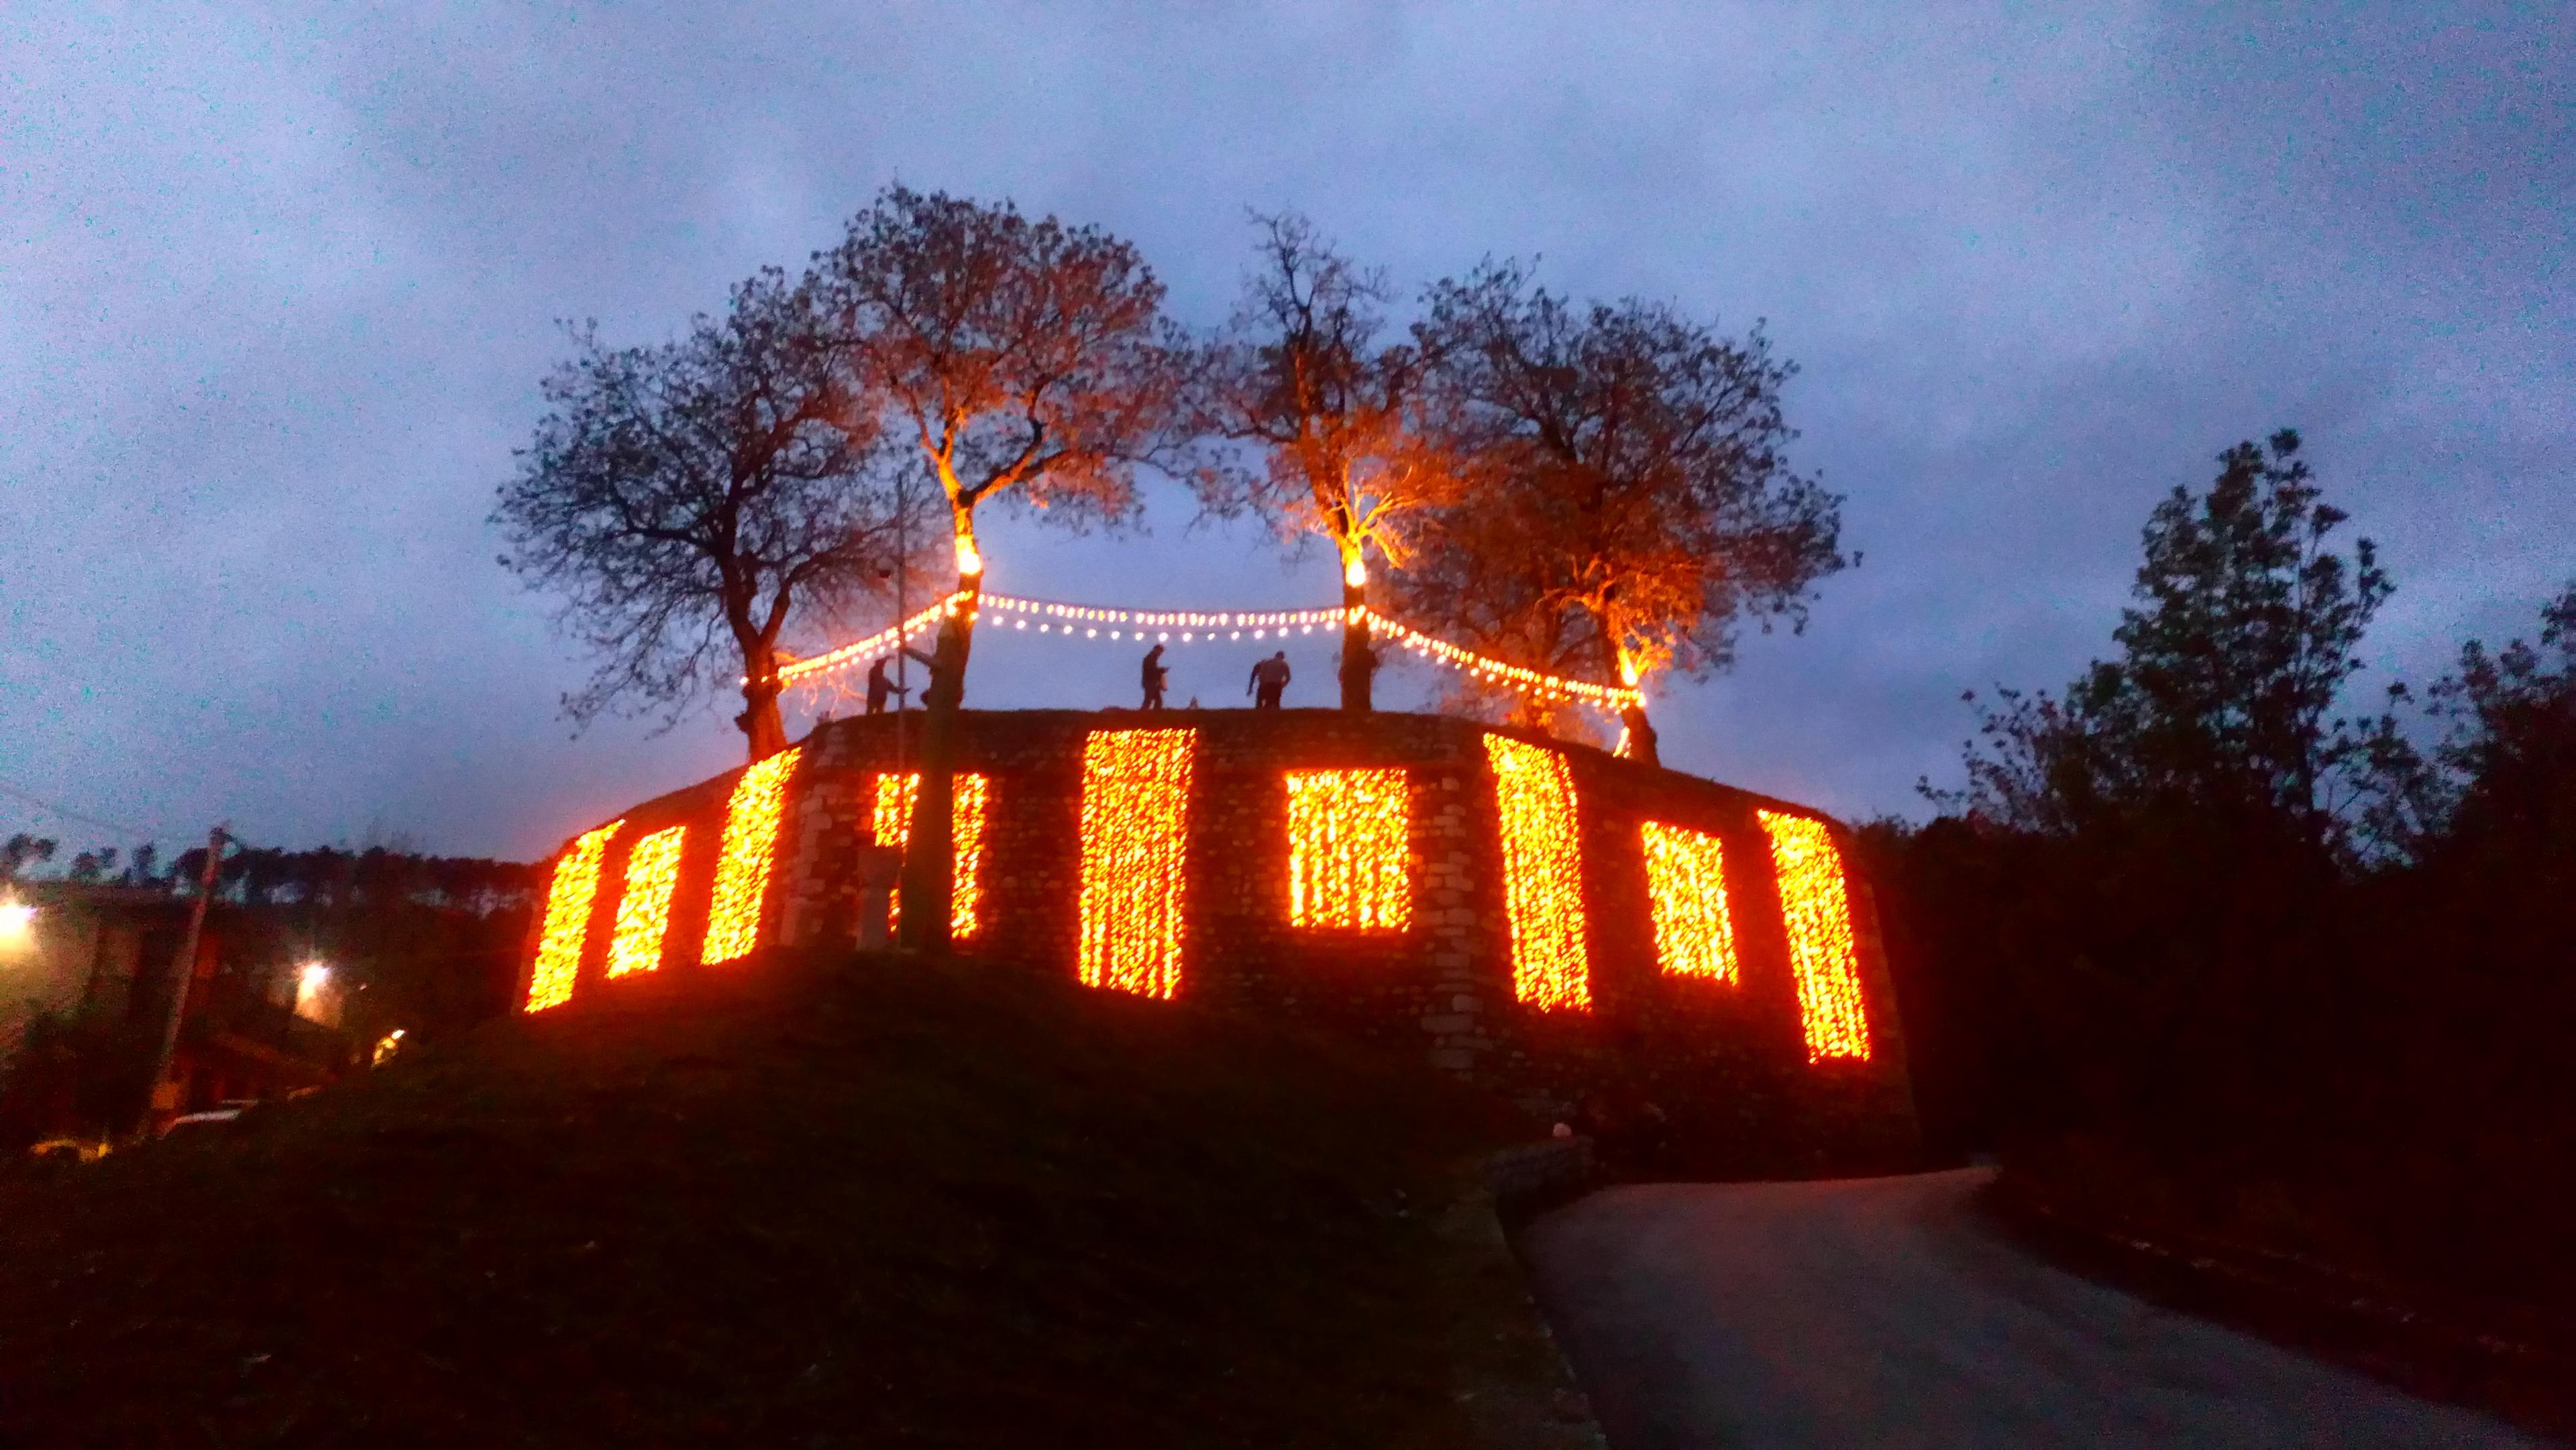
point(278, 284)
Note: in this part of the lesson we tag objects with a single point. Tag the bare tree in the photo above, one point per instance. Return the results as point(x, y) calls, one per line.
point(1631, 501)
point(1298, 370)
point(688, 500)
point(1025, 360)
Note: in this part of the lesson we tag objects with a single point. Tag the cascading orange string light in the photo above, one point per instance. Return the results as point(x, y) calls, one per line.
point(884, 641)
point(1542, 873)
point(890, 824)
point(1348, 849)
point(1686, 881)
point(1497, 672)
point(1816, 907)
point(644, 907)
point(567, 925)
point(1135, 846)
point(742, 866)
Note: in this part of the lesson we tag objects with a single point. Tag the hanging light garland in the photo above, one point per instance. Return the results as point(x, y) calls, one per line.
point(742, 866)
point(644, 907)
point(890, 824)
point(1686, 884)
point(1542, 873)
point(1348, 846)
point(1816, 907)
point(568, 900)
point(1196, 625)
point(1135, 850)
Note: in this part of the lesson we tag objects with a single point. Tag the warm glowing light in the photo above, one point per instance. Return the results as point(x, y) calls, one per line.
point(644, 910)
point(890, 824)
point(386, 1047)
point(1348, 847)
point(1355, 573)
point(17, 921)
point(567, 919)
point(969, 562)
point(1135, 842)
point(1061, 620)
point(1486, 668)
point(1817, 909)
point(883, 642)
point(1686, 879)
point(742, 866)
point(1542, 873)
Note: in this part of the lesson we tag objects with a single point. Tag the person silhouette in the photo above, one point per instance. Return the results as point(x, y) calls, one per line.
point(1270, 679)
point(880, 686)
point(1155, 674)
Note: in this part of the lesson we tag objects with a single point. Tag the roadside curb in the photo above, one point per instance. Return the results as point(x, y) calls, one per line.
point(1514, 1380)
point(2303, 1305)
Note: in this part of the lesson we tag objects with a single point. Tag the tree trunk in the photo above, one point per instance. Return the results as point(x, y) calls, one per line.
point(929, 857)
point(1359, 656)
point(761, 726)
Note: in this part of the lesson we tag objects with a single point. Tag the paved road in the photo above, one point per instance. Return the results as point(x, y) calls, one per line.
point(1887, 1312)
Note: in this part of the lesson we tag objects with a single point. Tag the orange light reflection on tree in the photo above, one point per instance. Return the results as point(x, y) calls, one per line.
point(1135, 844)
point(1686, 880)
point(1349, 842)
point(1816, 907)
point(1542, 873)
point(742, 866)
point(890, 824)
point(644, 909)
point(567, 926)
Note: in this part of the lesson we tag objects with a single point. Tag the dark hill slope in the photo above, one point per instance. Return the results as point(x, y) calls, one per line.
point(802, 1203)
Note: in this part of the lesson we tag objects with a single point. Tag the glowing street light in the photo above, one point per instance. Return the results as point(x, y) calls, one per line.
point(17, 921)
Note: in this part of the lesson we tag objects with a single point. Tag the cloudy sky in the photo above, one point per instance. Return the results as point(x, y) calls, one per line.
point(277, 285)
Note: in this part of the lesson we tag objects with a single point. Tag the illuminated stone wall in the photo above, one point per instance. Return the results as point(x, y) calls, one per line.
point(1697, 1024)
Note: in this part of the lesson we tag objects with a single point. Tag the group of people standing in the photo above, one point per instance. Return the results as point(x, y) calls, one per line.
point(1269, 680)
point(1268, 683)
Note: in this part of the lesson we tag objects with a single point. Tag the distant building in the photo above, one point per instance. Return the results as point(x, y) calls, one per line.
point(85, 977)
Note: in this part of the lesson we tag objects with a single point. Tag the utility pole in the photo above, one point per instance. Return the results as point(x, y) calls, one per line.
point(183, 971)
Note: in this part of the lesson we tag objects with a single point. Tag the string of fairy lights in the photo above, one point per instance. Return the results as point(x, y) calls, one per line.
point(1542, 873)
point(1051, 619)
point(890, 824)
point(1686, 888)
point(1348, 846)
point(644, 906)
point(742, 867)
point(1816, 908)
point(1135, 852)
point(1348, 852)
point(567, 923)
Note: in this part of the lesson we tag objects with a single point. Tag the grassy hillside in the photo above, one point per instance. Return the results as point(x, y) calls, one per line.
point(803, 1203)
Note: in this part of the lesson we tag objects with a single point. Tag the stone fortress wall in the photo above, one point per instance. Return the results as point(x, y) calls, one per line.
point(1673, 962)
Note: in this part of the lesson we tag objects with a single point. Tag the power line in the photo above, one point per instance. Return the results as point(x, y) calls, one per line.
point(126, 827)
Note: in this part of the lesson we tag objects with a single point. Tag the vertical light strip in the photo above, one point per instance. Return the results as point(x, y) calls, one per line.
point(890, 824)
point(1135, 844)
point(644, 909)
point(1542, 873)
point(567, 919)
point(1349, 843)
point(1816, 908)
point(742, 868)
point(1686, 879)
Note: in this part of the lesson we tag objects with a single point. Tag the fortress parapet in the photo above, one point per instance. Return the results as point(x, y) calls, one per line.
point(1652, 953)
